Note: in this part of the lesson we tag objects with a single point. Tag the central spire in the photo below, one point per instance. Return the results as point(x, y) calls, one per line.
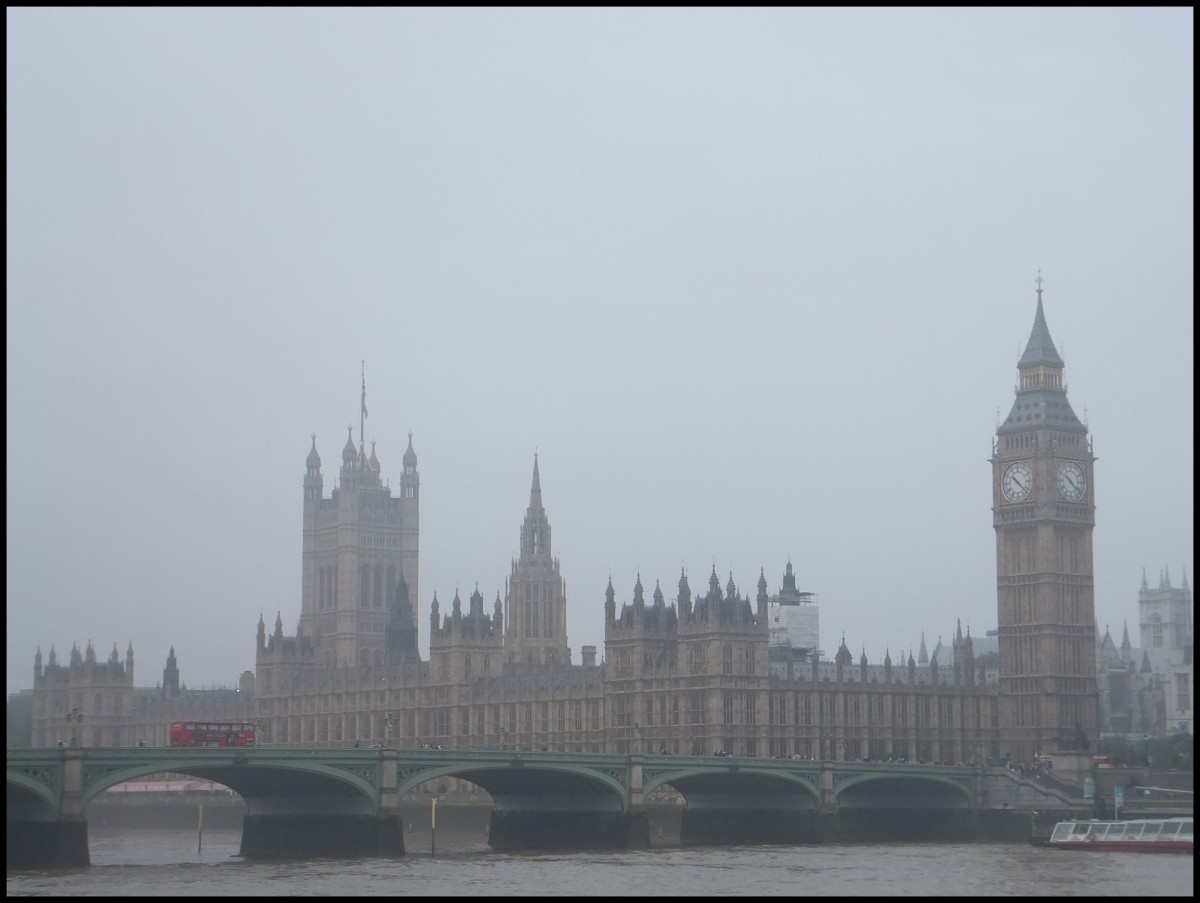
point(535, 491)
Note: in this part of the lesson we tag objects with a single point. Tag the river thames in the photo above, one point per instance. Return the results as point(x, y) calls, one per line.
point(141, 861)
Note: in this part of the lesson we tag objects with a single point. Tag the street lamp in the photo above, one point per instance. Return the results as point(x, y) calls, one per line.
point(637, 738)
point(504, 738)
point(73, 718)
point(389, 722)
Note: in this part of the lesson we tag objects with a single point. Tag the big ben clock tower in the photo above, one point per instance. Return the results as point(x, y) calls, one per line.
point(1044, 511)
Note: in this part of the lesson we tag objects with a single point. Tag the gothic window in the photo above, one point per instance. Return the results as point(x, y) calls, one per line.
point(727, 658)
point(727, 708)
point(1156, 631)
point(749, 659)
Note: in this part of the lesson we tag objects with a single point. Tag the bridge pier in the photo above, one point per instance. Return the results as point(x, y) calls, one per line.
point(518, 830)
point(298, 836)
point(48, 844)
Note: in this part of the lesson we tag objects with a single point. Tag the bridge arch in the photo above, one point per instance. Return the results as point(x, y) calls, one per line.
point(693, 782)
point(33, 798)
point(896, 790)
point(508, 782)
point(250, 779)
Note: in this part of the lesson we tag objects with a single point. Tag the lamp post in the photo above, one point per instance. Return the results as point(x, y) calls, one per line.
point(504, 738)
point(73, 718)
point(829, 745)
point(389, 721)
point(637, 737)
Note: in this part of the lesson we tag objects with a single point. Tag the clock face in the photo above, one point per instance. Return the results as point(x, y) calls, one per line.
point(1071, 482)
point(1017, 482)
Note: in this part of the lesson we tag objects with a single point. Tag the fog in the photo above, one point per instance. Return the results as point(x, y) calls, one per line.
point(752, 284)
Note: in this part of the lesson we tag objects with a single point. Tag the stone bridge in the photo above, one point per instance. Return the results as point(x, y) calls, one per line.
point(303, 802)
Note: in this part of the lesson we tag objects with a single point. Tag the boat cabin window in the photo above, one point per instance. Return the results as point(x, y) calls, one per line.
point(1062, 831)
point(1151, 829)
point(1171, 827)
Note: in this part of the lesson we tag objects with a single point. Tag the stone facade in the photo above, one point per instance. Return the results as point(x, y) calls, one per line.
point(694, 674)
point(93, 703)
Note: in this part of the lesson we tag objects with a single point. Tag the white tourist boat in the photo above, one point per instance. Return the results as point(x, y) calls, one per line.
point(1139, 835)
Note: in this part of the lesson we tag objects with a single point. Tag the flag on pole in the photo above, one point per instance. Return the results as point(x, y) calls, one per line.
point(364, 391)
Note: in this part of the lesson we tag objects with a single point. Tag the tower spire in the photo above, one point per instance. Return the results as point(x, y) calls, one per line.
point(535, 490)
point(363, 414)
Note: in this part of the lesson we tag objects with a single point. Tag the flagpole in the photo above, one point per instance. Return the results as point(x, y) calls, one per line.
point(362, 416)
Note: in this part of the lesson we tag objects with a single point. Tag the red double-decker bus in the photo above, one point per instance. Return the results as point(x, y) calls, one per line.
point(212, 733)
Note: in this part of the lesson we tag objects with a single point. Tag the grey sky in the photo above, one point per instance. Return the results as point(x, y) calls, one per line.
point(752, 283)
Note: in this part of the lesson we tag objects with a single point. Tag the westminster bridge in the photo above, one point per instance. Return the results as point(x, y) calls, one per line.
point(304, 802)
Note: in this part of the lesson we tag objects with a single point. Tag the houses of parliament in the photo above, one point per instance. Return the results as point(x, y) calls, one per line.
point(713, 667)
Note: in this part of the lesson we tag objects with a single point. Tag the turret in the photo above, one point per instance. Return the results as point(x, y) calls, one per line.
point(842, 659)
point(764, 600)
point(610, 605)
point(170, 684)
point(685, 597)
point(313, 486)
